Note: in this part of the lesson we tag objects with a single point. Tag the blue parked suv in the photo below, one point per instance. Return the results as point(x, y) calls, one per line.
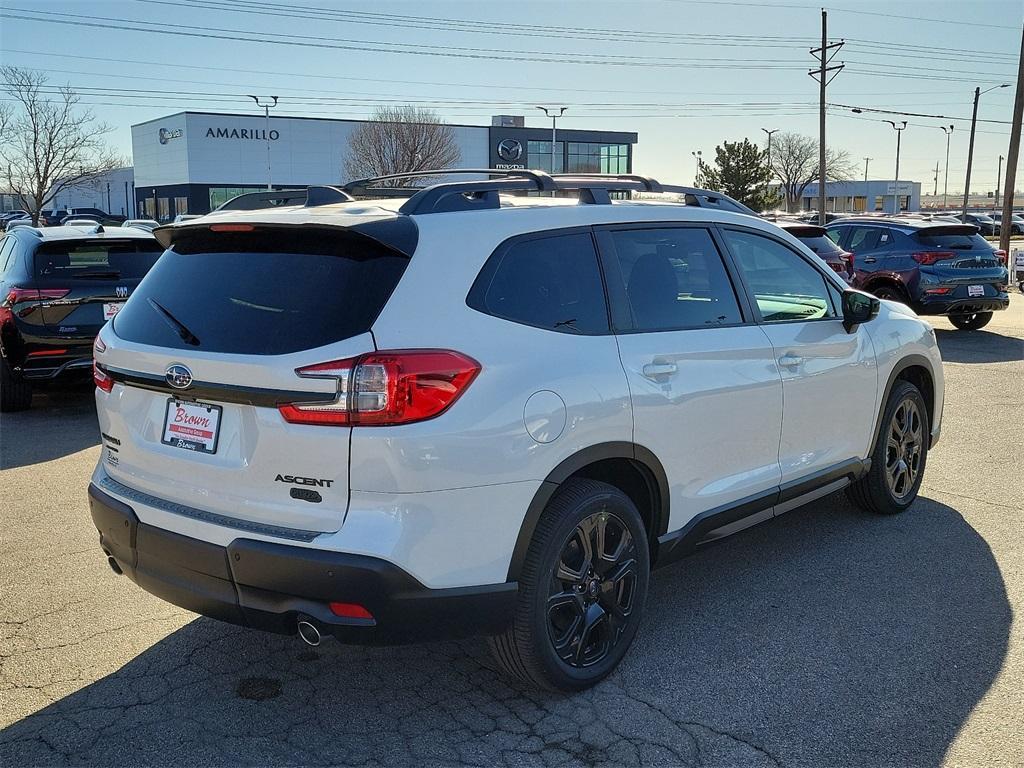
point(935, 268)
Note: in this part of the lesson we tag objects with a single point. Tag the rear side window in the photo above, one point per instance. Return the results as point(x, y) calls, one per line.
point(870, 239)
point(551, 282)
point(102, 259)
point(820, 245)
point(954, 242)
point(263, 292)
point(675, 279)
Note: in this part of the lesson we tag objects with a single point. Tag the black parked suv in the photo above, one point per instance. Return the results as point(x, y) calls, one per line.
point(935, 268)
point(58, 286)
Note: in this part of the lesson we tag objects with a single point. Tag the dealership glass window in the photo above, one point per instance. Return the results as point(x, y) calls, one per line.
point(180, 205)
point(595, 157)
point(163, 208)
point(879, 202)
point(220, 195)
point(147, 208)
point(539, 156)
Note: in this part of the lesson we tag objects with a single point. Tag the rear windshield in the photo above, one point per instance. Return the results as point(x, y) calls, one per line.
point(955, 242)
point(262, 293)
point(96, 260)
point(820, 245)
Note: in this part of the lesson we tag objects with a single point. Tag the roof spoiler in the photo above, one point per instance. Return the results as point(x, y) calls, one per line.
point(309, 197)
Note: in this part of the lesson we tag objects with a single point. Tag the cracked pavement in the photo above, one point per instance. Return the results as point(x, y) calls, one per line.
point(825, 637)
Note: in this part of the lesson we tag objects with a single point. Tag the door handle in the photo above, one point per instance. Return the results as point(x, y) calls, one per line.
point(869, 260)
point(789, 360)
point(655, 370)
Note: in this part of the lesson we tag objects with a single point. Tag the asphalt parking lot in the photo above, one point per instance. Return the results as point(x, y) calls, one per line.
point(826, 637)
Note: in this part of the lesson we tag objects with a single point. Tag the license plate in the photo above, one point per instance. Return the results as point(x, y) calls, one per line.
point(975, 290)
point(109, 310)
point(192, 426)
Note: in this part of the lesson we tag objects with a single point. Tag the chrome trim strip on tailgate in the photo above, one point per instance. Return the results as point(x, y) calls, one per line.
point(111, 485)
point(219, 393)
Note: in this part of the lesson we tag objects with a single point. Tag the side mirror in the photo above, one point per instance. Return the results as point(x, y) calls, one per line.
point(858, 308)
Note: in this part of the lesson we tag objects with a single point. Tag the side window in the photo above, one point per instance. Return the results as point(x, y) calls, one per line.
point(675, 279)
point(6, 252)
point(551, 282)
point(785, 286)
point(870, 239)
point(835, 234)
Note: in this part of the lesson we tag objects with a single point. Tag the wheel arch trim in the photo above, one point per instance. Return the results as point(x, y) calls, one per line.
point(910, 361)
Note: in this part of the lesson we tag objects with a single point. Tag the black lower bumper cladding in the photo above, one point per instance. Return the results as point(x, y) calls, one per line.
point(268, 586)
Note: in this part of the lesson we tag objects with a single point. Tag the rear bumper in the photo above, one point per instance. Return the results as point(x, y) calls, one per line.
point(946, 306)
point(268, 586)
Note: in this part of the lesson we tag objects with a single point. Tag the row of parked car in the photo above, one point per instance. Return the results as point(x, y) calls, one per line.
point(989, 225)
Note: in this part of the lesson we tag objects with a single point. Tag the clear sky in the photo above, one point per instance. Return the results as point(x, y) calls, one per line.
point(685, 75)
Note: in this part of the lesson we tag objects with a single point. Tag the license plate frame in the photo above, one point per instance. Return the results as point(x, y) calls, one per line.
point(191, 437)
point(975, 291)
point(111, 308)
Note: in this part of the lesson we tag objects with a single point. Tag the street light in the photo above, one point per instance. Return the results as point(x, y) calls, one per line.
point(896, 186)
point(773, 130)
point(550, 112)
point(999, 181)
point(266, 130)
point(970, 146)
point(945, 185)
point(696, 177)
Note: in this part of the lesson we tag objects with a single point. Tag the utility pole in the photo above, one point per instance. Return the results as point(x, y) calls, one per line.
point(866, 161)
point(1012, 155)
point(550, 112)
point(825, 55)
point(266, 127)
point(970, 146)
point(896, 185)
point(945, 184)
point(999, 180)
point(935, 191)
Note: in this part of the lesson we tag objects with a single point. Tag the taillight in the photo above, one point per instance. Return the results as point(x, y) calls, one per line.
point(1001, 255)
point(17, 295)
point(931, 257)
point(849, 261)
point(101, 378)
point(386, 388)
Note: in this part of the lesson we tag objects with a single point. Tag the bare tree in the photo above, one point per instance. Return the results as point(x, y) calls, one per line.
point(48, 144)
point(401, 139)
point(795, 165)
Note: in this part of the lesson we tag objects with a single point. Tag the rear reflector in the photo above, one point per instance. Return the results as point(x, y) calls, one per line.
point(931, 257)
point(350, 611)
point(386, 388)
point(939, 291)
point(47, 353)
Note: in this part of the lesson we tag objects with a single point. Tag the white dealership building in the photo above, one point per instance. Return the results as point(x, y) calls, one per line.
point(191, 162)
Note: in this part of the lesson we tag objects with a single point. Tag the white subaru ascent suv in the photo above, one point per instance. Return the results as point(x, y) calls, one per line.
point(470, 411)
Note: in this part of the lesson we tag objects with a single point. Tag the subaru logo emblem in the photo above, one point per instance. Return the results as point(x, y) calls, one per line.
point(178, 376)
point(121, 292)
point(510, 150)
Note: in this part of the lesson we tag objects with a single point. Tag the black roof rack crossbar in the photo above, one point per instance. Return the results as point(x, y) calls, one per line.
point(650, 184)
point(542, 180)
point(277, 198)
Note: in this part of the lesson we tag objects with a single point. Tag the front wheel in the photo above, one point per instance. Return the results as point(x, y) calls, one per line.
point(899, 455)
point(972, 321)
point(581, 590)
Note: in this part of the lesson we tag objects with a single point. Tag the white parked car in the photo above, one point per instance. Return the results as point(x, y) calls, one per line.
point(466, 412)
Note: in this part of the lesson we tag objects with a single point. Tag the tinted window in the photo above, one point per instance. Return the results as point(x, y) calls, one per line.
point(263, 293)
point(95, 259)
point(869, 239)
point(550, 282)
point(784, 285)
point(820, 245)
point(675, 279)
point(6, 251)
point(954, 242)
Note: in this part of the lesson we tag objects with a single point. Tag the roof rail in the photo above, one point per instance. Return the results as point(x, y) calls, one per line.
point(541, 179)
point(276, 198)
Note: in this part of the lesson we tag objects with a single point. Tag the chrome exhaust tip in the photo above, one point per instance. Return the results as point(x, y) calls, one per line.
point(309, 633)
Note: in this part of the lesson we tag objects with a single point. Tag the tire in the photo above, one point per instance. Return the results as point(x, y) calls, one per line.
point(875, 492)
point(15, 393)
point(890, 293)
point(549, 644)
point(971, 322)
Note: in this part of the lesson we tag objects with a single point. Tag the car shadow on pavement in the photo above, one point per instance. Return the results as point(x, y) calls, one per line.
point(978, 346)
point(829, 637)
point(62, 421)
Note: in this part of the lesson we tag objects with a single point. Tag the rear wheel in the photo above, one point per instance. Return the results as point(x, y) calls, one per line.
point(972, 321)
point(15, 392)
point(899, 456)
point(581, 590)
point(890, 293)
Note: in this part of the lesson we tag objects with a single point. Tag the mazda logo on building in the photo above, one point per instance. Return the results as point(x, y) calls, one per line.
point(510, 150)
point(178, 376)
point(166, 135)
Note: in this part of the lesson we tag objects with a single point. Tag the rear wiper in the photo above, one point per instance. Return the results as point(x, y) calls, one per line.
point(570, 324)
point(183, 332)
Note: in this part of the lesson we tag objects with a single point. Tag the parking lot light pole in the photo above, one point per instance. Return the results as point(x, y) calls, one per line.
point(866, 161)
point(945, 185)
point(773, 130)
point(550, 112)
point(896, 185)
point(266, 130)
point(696, 176)
point(970, 146)
point(999, 180)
